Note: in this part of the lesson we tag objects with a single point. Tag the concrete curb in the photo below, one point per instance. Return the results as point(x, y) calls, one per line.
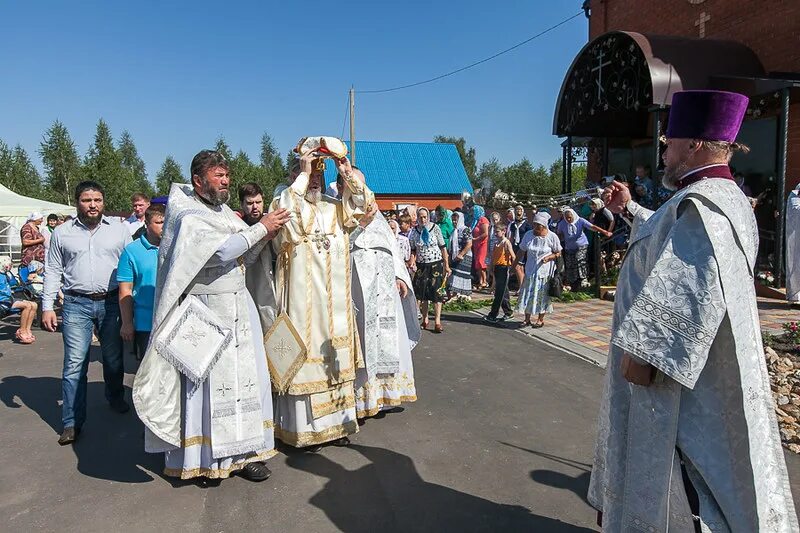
point(558, 342)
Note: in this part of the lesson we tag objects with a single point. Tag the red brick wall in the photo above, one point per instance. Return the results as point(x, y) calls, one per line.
point(771, 28)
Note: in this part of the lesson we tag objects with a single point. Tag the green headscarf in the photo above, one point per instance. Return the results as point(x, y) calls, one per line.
point(444, 219)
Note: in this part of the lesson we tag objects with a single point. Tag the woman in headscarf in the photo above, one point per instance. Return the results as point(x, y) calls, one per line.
point(445, 223)
point(430, 254)
point(571, 229)
point(538, 251)
point(460, 283)
point(479, 225)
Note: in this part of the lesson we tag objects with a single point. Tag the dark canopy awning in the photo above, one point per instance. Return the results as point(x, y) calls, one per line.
point(618, 77)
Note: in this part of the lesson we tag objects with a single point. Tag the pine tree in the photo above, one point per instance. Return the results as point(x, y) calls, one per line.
point(222, 147)
point(132, 165)
point(272, 163)
point(25, 179)
point(243, 170)
point(62, 166)
point(103, 165)
point(6, 162)
point(170, 173)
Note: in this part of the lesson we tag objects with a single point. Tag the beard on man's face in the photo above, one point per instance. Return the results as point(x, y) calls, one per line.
point(673, 174)
point(213, 196)
point(90, 220)
point(313, 195)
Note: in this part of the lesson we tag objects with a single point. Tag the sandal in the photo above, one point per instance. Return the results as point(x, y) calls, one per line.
point(538, 325)
point(424, 324)
point(438, 328)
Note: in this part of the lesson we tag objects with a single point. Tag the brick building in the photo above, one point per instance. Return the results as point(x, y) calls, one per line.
point(615, 98)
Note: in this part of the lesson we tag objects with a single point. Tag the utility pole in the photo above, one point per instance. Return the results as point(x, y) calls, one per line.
point(352, 125)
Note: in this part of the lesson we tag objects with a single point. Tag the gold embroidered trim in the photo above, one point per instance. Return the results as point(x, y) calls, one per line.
point(217, 473)
point(194, 441)
point(322, 386)
point(309, 299)
point(329, 291)
point(311, 438)
point(338, 400)
point(269, 424)
point(340, 342)
point(391, 402)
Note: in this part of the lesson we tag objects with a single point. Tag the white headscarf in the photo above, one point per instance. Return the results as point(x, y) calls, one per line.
point(542, 219)
point(458, 227)
point(572, 227)
point(36, 215)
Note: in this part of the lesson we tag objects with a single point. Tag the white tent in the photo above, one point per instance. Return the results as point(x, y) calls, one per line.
point(14, 211)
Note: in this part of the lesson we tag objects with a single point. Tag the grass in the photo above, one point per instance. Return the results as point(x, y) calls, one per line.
point(463, 305)
point(572, 297)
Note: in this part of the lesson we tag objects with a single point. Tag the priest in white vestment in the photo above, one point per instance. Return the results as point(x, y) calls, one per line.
point(314, 266)
point(793, 246)
point(386, 315)
point(687, 433)
point(220, 423)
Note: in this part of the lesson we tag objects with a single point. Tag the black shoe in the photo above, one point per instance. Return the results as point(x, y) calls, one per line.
point(490, 319)
point(508, 316)
point(255, 471)
point(119, 405)
point(68, 436)
point(341, 442)
point(314, 448)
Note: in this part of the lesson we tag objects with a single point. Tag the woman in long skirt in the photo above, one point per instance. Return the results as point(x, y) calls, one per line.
point(538, 251)
point(460, 282)
point(427, 248)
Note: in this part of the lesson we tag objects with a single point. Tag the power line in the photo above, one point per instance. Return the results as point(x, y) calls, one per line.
point(475, 64)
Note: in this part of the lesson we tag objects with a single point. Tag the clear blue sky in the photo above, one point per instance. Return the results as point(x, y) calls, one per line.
point(177, 75)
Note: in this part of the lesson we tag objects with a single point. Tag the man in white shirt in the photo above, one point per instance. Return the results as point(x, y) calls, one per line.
point(139, 204)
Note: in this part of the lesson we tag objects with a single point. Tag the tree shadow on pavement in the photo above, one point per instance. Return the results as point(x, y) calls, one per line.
point(389, 495)
point(578, 484)
point(110, 445)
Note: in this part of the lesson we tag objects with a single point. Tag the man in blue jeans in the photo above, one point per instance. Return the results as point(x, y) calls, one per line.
point(82, 261)
point(136, 275)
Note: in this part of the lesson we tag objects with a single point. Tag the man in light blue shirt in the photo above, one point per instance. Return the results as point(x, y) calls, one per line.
point(136, 275)
point(82, 261)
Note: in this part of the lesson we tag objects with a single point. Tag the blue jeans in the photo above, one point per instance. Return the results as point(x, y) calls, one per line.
point(80, 316)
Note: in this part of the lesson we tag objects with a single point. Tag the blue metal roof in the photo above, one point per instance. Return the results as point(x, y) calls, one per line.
point(408, 168)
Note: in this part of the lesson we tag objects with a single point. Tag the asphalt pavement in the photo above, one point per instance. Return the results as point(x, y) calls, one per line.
point(500, 440)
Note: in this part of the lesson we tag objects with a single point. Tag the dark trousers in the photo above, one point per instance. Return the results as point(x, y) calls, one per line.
point(500, 291)
point(140, 342)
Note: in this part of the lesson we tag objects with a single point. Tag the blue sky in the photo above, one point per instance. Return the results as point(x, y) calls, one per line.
point(177, 75)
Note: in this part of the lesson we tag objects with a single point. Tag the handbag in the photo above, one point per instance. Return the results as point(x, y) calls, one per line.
point(555, 287)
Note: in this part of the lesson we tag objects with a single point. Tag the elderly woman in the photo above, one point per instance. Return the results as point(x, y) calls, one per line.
point(430, 254)
point(27, 309)
point(460, 283)
point(571, 229)
point(538, 251)
point(479, 225)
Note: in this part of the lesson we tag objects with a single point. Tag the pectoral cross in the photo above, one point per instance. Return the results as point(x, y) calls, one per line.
point(701, 23)
point(223, 389)
point(321, 240)
point(249, 386)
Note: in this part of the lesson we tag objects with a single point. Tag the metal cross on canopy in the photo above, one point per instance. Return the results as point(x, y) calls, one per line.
point(599, 69)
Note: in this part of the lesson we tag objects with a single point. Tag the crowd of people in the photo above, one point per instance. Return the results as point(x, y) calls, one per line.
point(235, 348)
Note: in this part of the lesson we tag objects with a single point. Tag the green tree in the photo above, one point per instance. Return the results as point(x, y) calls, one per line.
point(467, 155)
point(62, 166)
point(103, 164)
point(133, 168)
point(243, 170)
point(222, 147)
point(272, 163)
point(489, 174)
point(25, 179)
point(170, 173)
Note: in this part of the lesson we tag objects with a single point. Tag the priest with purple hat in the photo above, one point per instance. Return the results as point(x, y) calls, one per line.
point(687, 434)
